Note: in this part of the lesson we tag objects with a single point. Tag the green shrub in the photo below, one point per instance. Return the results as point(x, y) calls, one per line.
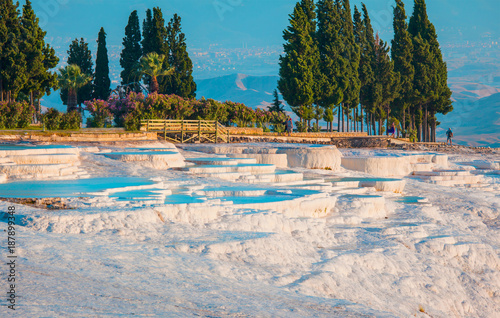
point(52, 119)
point(71, 121)
point(14, 113)
point(26, 116)
point(301, 126)
point(4, 109)
point(101, 113)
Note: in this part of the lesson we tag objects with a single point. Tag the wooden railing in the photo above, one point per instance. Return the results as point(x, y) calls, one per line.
point(184, 131)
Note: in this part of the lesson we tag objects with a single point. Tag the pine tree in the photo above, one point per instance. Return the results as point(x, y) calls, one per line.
point(332, 65)
point(147, 34)
point(297, 66)
point(402, 55)
point(79, 54)
point(181, 82)
point(12, 60)
point(277, 105)
point(132, 51)
point(350, 52)
point(102, 83)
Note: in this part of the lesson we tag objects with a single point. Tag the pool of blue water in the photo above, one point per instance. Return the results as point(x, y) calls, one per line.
point(412, 200)
point(67, 188)
point(269, 198)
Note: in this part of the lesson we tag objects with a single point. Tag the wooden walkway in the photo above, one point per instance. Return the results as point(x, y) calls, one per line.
point(184, 131)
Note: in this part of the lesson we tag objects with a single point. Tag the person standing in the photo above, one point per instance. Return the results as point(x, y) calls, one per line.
point(449, 134)
point(289, 126)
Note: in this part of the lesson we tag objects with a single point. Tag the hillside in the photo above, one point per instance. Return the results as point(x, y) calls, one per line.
point(253, 91)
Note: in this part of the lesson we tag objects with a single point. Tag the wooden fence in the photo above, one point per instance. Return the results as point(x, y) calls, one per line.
point(184, 131)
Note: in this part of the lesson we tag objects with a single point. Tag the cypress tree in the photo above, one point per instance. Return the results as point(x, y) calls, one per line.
point(277, 105)
point(402, 55)
point(79, 54)
point(159, 42)
point(441, 100)
point(181, 82)
point(438, 97)
point(297, 66)
point(423, 93)
point(350, 52)
point(363, 35)
point(387, 83)
point(147, 34)
point(132, 51)
point(102, 83)
point(32, 45)
point(332, 65)
point(40, 57)
point(12, 60)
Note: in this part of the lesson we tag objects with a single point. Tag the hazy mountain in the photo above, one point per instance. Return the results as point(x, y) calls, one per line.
point(253, 91)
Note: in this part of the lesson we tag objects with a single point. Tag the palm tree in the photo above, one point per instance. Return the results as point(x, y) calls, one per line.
point(71, 78)
point(151, 65)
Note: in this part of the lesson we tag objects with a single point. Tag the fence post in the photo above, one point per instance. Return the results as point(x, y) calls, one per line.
point(182, 131)
point(165, 131)
point(216, 130)
point(199, 131)
point(228, 136)
point(147, 126)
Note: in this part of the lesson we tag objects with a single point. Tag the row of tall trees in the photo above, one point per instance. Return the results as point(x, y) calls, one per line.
point(25, 59)
point(97, 83)
point(160, 54)
point(164, 40)
point(335, 64)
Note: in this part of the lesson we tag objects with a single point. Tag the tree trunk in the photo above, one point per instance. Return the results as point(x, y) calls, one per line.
point(72, 100)
point(338, 118)
point(361, 120)
point(1, 90)
point(342, 109)
point(403, 123)
point(426, 125)
point(433, 126)
point(373, 124)
point(355, 114)
point(154, 86)
point(419, 127)
point(387, 128)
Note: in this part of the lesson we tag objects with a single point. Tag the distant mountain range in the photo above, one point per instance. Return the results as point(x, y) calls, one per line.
point(253, 91)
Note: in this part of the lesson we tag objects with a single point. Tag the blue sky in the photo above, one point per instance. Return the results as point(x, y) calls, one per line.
point(233, 23)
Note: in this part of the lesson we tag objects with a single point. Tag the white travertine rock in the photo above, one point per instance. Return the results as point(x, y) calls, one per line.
point(316, 205)
point(389, 185)
point(484, 164)
point(45, 158)
point(380, 166)
point(254, 169)
point(3, 178)
point(300, 156)
point(440, 160)
point(279, 160)
point(313, 157)
point(354, 209)
point(157, 160)
point(38, 151)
